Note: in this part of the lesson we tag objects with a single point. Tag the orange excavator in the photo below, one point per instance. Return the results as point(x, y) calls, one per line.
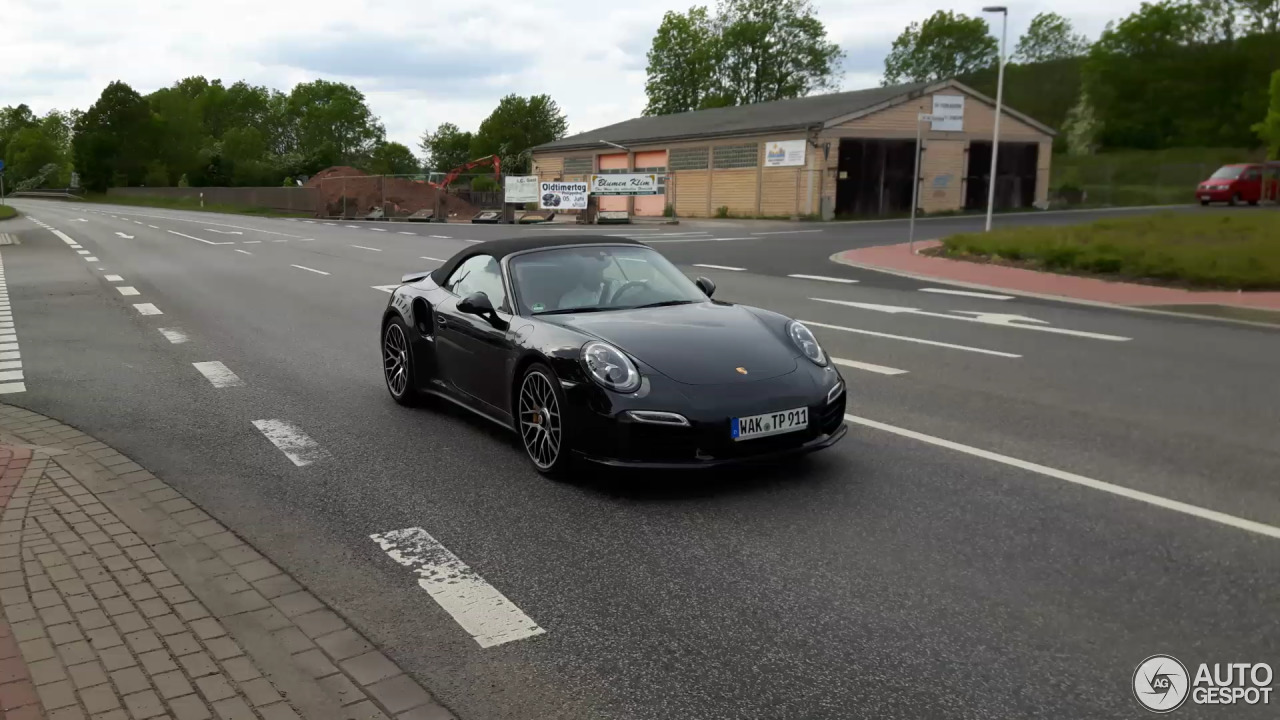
point(454, 173)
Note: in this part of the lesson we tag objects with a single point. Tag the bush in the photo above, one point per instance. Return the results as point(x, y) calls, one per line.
point(668, 211)
point(722, 211)
point(183, 182)
point(7, 211)
point(1234, 251)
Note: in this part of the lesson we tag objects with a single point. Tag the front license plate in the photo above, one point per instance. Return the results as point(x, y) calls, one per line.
point(783, 421)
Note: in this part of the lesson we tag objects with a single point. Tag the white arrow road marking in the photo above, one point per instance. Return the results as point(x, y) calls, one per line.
point(291, 441)
point(719, 267)
point(966, 293)
point(921, 341)
point(303, 267)
point(824, 278)
point(126, 237)
point(484, 612)
point(869, 367)
point(385, 288)
point(1002, 320)
point(224, 232)
point(219, 375)
point(1166, 503)
point(174, 335)
point(147, 309)
point(207, 242)
point(127, 290)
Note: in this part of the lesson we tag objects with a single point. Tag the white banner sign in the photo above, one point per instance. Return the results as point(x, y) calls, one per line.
point(624, 184)
point(784, 153)
point(563, 195)
point(521, 188)
point(951, 109)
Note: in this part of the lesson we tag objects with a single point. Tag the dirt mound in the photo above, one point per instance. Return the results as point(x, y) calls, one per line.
point(360, 193)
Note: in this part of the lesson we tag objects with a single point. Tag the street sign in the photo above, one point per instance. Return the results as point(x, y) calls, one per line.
point(1, 165)
point(926, 117)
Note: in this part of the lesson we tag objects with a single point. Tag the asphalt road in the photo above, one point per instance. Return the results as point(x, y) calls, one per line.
point(1018, 517)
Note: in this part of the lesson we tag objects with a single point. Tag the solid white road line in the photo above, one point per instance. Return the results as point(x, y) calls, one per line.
point(385, 288)
point(112, 278)
point(719, 267)
point(244, 252)
point(127, 290)
point(824, 278)
point(303, 267)
point(921, 341)
point(207, 242)
point(1158, 501)
point(215, 224)
point(786, 232)
point(174, 335)
point(424, 257)
point(869, 367)
point(484, 612)
point(966, 293)
point(692, 239)
point(362, 247)
point(219, 375)
point(147, 309)
point(291, 441)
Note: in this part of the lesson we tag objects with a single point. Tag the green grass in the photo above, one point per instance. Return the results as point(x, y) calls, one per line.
point(1235, 251)
point(7, 211)
point(1141, 177)
point(187, 204)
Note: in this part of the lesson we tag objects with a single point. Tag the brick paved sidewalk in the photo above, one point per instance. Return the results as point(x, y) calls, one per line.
point(900, 260)
point(123, 600)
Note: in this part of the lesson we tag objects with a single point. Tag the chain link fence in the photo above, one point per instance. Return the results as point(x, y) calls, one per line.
point(427, 196)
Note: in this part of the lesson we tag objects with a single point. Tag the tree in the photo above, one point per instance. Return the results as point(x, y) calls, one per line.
point(447, 147)
point(331, 124)
point(1260, 16)
point(28, 152)
point(943, 46)
point(392, 158)
point(1269, 129)
point(751, 51)
point(517, 125)
point(1081, 127)
point(112, 139)
point(1050, 37)
point(14, 119)
point(682, 63)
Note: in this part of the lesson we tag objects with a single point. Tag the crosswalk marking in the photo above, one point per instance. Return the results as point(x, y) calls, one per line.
point(11, 376)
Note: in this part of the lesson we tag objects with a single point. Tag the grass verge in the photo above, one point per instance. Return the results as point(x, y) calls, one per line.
point(1233, 251)
point(7, 211)
point(187, 204)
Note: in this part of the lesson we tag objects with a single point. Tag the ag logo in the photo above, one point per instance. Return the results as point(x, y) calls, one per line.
point(1161, 683)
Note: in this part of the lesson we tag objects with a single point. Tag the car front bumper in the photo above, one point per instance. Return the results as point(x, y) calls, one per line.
point(1214, 195)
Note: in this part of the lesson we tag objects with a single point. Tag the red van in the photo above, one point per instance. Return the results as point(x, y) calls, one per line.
point(1234, 184)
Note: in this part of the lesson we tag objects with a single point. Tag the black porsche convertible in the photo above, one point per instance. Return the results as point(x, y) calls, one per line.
point(600, 349)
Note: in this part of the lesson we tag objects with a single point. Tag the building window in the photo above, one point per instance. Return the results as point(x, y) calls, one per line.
point(579, 165)
point(688, 158)
point(613, 171)
point(656, 169)
point(737, 156)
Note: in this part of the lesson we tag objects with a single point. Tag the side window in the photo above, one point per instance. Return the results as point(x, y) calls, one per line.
point(479, 274)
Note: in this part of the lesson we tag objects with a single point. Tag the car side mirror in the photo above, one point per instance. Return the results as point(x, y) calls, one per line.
point(707, 287)
point(477, 303)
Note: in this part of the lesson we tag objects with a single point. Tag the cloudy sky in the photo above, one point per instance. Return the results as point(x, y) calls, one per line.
point(418, 63)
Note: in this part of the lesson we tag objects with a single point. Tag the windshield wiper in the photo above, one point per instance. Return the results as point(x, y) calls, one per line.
point(572, 311)
point(664, 303)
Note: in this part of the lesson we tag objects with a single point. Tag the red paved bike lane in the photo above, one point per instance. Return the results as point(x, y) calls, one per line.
point(18, 698)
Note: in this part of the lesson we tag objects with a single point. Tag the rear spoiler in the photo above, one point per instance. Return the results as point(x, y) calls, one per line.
point(414, 277)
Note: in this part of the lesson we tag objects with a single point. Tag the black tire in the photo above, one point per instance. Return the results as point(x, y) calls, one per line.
point(1253, 203)
point(539, 414)
point(1235, 200)
point(397, 363)
point(1204, 202)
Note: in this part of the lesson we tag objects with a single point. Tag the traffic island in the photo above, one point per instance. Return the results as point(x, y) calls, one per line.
point(120, 594)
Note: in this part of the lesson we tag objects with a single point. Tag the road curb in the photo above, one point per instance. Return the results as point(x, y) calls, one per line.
point(324, 668)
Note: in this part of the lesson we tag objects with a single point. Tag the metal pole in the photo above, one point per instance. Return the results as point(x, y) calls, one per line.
point(995, 139)
point(383, 201)
point(1, 188)
point(915, 190)
point(344, 198)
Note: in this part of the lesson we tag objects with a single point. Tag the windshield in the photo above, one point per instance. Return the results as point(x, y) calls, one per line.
point(1229, 172)
point(592, 279)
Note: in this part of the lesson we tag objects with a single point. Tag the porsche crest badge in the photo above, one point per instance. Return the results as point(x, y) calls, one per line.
point(741, 370)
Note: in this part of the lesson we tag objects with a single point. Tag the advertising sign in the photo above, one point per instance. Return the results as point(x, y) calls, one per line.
point(624, 184)
point(784, 153)
point(521, 188)
point(563, 195)
point(950, 108)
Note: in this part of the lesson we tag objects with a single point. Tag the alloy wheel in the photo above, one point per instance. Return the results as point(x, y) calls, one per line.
point(395, 359)
point(540, 421)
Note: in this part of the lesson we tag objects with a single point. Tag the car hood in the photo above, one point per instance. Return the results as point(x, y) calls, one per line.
point(698, 344)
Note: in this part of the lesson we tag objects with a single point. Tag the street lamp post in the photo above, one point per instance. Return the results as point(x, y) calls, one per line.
point(995, 139)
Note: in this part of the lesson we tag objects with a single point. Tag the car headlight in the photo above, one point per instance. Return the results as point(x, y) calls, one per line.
point(609, 367)
point(806, 342)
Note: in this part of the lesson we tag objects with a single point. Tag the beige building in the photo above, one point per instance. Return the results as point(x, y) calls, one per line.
point(844, 154)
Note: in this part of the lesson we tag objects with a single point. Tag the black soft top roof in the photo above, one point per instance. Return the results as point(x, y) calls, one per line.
point(502, 248)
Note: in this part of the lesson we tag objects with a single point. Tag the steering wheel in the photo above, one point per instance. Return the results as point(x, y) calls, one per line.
point(625, 287)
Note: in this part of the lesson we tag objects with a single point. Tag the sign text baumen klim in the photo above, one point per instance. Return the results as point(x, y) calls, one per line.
point(624, 184)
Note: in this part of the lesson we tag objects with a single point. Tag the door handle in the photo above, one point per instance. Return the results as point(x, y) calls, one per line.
point(441, 321)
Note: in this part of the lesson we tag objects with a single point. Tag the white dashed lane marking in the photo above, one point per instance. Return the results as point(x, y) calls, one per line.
point(91, 259)
point(291, 441)
point(425, 257)
point(127, 290)
point(869, 367)
point(482, 611)
point(304, 267)
point(719, 267)
point(245, 252)
point(824, 278)
point(113, 278)
point(11, 377)
point(218, 375)
point(174, 335)
point(147, 309)
point(920, 341)
point(385, 288)
point(362, 247)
